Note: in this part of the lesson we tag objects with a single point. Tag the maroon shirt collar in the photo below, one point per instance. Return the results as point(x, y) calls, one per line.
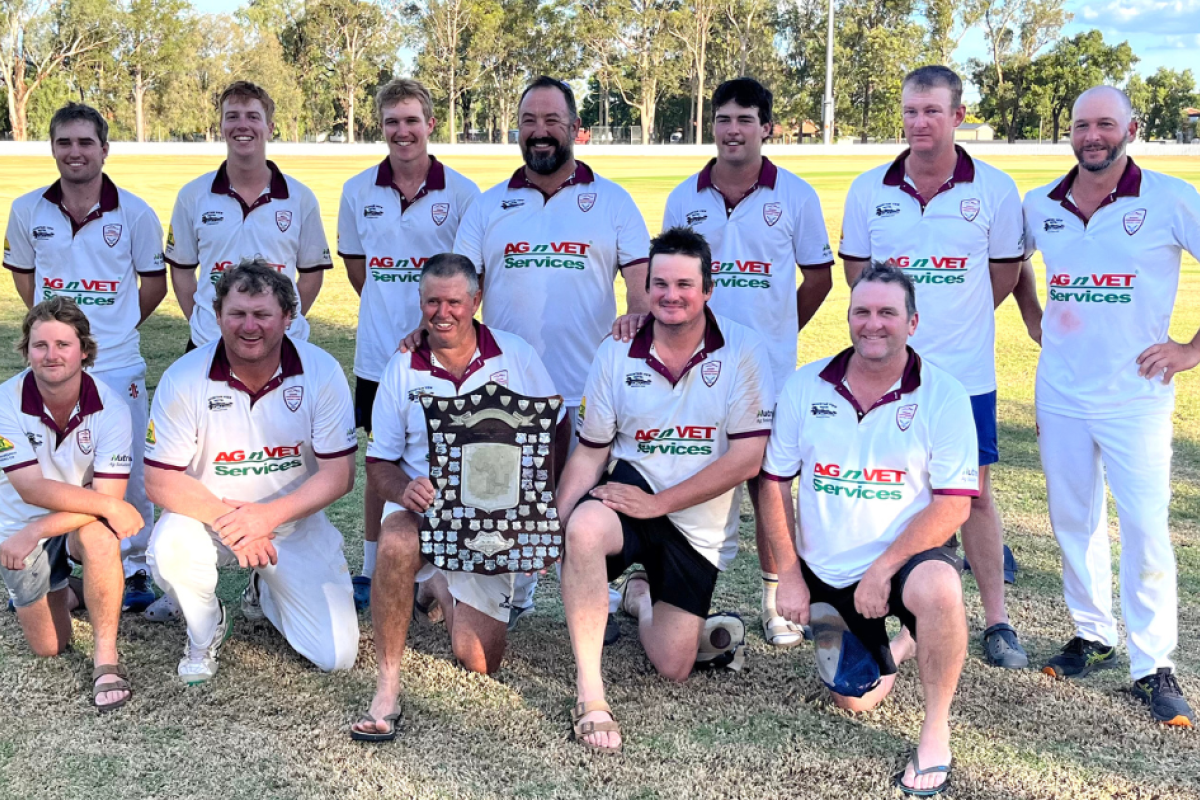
point(422, 357)
point(582, 174)
point(33, 405)
point(766, 176)
point(277, 189)
point(109, 201)
point(289, 367)
point(435, 181)
point(964, 172)
point(640, 346)
point(1129, 185)
point(835, 373)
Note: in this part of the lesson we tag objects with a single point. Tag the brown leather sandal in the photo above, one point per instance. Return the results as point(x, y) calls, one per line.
point(119, 685)
point(581, 729)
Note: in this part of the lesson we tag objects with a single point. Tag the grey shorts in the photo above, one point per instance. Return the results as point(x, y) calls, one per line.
point(47, 569)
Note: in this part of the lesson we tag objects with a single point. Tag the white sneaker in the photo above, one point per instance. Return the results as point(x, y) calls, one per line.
point(199, 664)
point(164, 609)
point(251, 607)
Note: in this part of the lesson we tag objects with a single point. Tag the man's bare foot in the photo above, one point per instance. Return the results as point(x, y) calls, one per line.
point(636, 587)
point(903, 647)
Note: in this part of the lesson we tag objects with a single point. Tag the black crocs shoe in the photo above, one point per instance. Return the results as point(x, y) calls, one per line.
point(1002, 649)
point(1161, 692)
point(1079, 658)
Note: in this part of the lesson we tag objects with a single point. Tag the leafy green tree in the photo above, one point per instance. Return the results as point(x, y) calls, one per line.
point(1159, 101)
point(1074, 65)
point(153, 45)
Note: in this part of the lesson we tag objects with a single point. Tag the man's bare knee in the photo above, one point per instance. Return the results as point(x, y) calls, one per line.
point(934, 587)
point(399, 542)
point(856, 705)
point(95, 544)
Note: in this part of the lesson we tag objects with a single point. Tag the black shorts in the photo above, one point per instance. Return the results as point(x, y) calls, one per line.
point(364, 400)
point(873, 632)
point(677, 573)
point(189, 347)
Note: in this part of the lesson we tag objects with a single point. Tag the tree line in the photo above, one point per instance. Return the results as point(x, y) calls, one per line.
point(154, 67)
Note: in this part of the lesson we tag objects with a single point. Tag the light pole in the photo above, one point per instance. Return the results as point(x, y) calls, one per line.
point(827, 105)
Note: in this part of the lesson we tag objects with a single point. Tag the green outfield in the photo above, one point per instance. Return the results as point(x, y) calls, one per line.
point(270, 726)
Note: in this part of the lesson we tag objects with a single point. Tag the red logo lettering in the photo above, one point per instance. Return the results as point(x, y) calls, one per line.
point(52, 283)
point(570, 248)
point(518, 248)
point(1113, 280)
point(828, 470)
point(236, 455)
point(382, 262)
point(281, 451)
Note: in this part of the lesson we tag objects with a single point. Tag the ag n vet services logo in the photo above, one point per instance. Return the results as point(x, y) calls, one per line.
point(112, 235)
point(586, 201)
point(905, 416)
point(292, 397)
point(84, 438)
point(439, 212)
point(284, 220)
point(1133, 221)
point(969, 209)
point(771, 213)
point(710, 372)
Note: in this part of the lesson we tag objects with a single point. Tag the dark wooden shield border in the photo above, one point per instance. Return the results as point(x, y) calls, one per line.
point(481, 534)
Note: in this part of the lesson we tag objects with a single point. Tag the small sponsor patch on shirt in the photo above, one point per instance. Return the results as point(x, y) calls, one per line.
point(696, 217)
point(507, 204)
point(887, 209)
point(637, 380)
point(42, 232)
point(823, 410)
point(220, 403)
point(212, 217)
point(373, 211)
point(1053, 225)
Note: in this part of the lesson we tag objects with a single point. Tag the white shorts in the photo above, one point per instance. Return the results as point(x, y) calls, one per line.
point(487, 594)
point(130, 384)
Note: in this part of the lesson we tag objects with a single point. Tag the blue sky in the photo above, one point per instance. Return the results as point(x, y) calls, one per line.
point(1163, 33)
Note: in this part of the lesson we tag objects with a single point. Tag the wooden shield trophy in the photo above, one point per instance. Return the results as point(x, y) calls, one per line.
point(491, 462)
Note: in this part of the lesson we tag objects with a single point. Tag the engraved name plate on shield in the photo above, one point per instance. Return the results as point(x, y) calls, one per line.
point(489, 432)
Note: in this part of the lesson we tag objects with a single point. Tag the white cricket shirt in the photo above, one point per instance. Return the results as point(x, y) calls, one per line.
point(549, 262)
point(96, 264)
point(401, 437)
point(757, 244)
point(1111, 284)
point(96, 443)
point(215, 229)
point(256, 447)
point(944, 244)
point(865, 474)
point(670, 430)
point(396, 237)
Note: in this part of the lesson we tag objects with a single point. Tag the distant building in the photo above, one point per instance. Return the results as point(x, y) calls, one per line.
point(974, 132)
point(1191, 125)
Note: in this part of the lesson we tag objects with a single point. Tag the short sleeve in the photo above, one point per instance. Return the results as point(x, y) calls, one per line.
point(314, 247)
point(752, 402)
point(809, 236)
point(856, 233)
point(15, 450)
point(673, 213)
point(954, 447)
point(182, 248)
point(1028, 214)
point(1006, 237)
point(1187, 225)
point(782, 461)
point(633, 239)
point(597, 414)
point(333, 431)
point(18, 245)
point(172, 435)
point(466, 193)
point(389, 419)
point(468, 241)
point(113, 442)
point(146, 242)
point(349, 245)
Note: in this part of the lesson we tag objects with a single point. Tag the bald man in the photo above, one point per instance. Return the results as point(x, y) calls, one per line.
point(1112, 235)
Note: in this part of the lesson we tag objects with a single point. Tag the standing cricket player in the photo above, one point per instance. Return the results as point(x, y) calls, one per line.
point(246, 209)
point(954, 225)
point(251, 438)
point(84, 238)
point(1112, 235)
point(549, 242)
point(761, 222)
point(394, 217)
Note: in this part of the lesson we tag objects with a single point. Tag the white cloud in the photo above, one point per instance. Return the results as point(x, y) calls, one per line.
point(1140, 16)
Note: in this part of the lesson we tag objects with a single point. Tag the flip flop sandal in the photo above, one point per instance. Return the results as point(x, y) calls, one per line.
point(392, 720)
point(780, 632)
point(917, 772)
point(581, 729)
point(119, 685)
point(636, 575)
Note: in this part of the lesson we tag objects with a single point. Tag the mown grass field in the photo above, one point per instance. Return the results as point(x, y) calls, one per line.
point(270, 726)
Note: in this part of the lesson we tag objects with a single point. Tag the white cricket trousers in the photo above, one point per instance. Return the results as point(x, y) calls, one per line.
point(1135, 453)
point(307, 596)
point(130, 383)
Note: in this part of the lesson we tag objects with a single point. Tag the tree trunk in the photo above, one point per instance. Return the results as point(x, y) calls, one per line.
point(139, 105)
point(350, 90)
point(700, 87)
point(866, 111)
point(450, 106)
